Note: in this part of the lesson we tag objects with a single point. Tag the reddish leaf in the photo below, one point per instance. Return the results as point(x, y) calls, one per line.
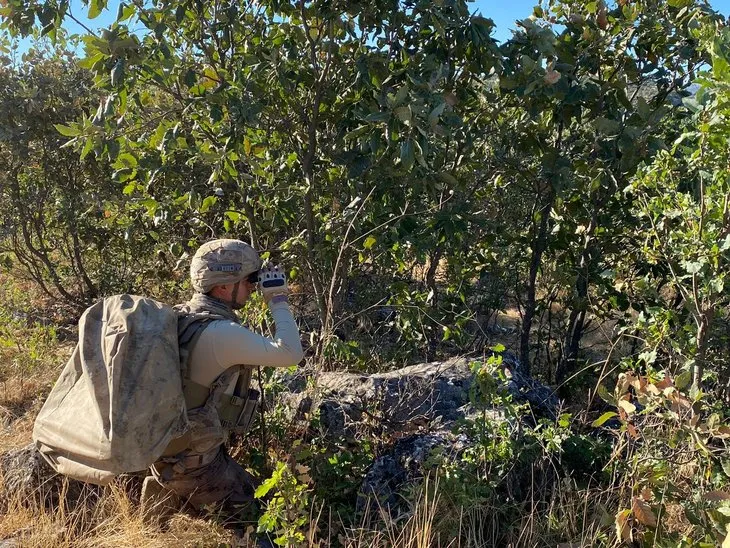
point(643, 512)
point(666, 382)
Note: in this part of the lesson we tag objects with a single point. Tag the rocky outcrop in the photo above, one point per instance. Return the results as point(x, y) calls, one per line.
point(27, 476)
point(407, 399)
point(417, 405)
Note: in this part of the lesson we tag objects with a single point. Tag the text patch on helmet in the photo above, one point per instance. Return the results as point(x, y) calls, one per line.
point(225, 267)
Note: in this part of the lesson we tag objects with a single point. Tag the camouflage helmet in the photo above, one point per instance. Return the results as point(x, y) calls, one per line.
point(222, 262)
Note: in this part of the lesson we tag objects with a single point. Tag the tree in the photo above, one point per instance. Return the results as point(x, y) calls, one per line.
point(52, 205)
point(683, 201)
point(588, 105)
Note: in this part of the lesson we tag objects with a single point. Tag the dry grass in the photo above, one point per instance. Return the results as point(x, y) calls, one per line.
point(20, 402)
point(113, 520)
point(417, 529)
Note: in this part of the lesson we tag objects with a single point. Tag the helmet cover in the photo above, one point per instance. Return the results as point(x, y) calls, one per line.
point(220, 262)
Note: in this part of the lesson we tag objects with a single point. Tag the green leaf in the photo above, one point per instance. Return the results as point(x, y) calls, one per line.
point(88, 147)
point(355, 133)
point(726, 467)
point(448, 178)
point(433, 117)
point(67, 131)
point(377, 117)
point(607, 127)
point(717, 284)
point(369, 242)
point(648, 357)
point(125, 160)
point(605, 395)
point(603, 418)
point(95, 7)
point(725, 243)
point(404, 114)
point(682, 380)
point(265, 487)
point(692, 267)
point(407, 154)
point(400, 96)
point(208, 203)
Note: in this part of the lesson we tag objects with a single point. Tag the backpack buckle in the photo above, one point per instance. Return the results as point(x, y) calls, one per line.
point(236, 401)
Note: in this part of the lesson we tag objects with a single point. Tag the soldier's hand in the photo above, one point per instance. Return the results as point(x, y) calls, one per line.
point(272, 283)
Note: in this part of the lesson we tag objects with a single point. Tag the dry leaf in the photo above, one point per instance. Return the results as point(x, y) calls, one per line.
point(679, 402)
point(647, 494)
point(623, 383)
point(716, 496)
point(623, 529)
point(450, 98)
point(726, 542)
point(666, 382)
point(632, 430)
point(643, 512)
point(602, 20)
point(627, 406)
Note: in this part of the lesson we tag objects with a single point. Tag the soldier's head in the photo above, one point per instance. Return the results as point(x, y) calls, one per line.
point(225, 269)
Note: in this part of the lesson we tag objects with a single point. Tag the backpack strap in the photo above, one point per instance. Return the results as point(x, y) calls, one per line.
point(235, 411)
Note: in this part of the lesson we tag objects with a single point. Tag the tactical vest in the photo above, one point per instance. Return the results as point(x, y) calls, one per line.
point(213, 414)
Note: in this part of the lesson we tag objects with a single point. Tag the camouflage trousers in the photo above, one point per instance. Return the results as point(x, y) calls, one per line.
point(221, 481)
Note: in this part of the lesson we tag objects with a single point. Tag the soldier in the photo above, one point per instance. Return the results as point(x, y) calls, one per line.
point(220, 352)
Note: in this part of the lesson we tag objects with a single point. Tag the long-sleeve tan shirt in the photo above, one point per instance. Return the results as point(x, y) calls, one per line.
point(225, 343)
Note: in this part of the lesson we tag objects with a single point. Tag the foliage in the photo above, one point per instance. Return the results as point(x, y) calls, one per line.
point(27, 344)
point(683, 199)
point(382, 143)
point(66, 224)
point(287, 509)
point(670, 454)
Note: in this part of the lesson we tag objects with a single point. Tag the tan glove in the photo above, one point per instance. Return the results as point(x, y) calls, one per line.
point(272, 283)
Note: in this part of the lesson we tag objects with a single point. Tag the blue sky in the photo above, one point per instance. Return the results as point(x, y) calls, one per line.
point(503, 13)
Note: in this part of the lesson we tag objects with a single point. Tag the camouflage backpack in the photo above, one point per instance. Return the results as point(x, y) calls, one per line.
point(122, 400)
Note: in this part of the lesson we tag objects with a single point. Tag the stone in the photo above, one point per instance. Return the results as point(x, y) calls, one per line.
point(29, 477)
point(417, 405)
point(405, 399)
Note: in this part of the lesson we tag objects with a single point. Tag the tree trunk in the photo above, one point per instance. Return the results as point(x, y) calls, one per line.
point(702, 336)
point(576, 324)
point(539, 244)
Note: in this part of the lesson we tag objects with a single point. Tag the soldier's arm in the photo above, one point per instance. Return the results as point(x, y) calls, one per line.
point(228, 343)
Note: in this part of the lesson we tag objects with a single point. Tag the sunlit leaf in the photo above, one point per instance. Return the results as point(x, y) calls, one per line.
point(603, 418)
